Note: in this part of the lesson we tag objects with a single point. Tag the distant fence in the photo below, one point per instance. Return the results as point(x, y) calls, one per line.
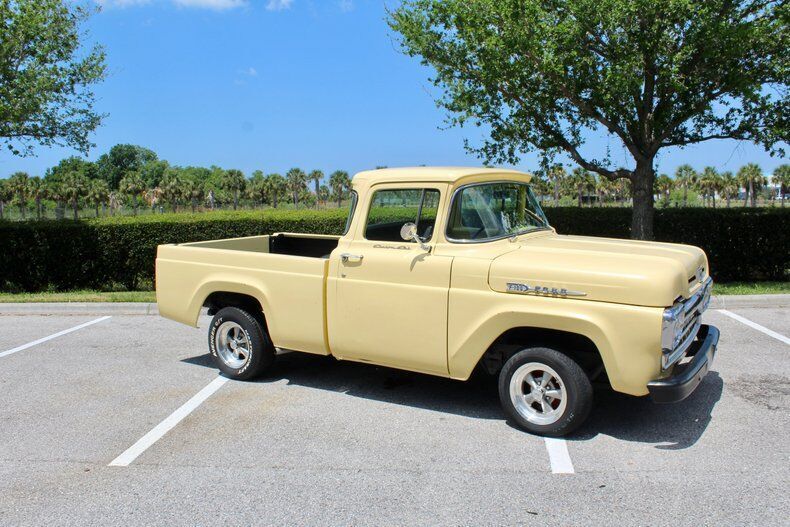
point(741, 243)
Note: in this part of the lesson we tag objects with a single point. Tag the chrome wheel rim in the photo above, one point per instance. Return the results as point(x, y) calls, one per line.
point(233, 346)
point(538, 393)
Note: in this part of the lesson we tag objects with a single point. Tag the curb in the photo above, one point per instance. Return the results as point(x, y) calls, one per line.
point(143, 308)
point(79, 308)
point(736, 301)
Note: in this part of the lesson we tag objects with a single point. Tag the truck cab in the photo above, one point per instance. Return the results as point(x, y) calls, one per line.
point(445, 270)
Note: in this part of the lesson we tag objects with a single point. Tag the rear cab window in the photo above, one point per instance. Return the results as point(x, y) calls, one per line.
point(390, 209)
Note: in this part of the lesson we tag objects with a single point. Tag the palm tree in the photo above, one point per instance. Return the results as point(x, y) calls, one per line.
point(194, 191)
point(339, 182)
point(18, 182)
point(316, 176)
point(172, 186)
point(685, 178)
point(55, 193)
point(275, 188)
point(781, 178)
point(729, 187)
point(557, 175)
point(663, 187)
point(752, 179)
point(38, 191)
point(98, 193)
point(257, 190)
point(132, 185)
point(74, 187)
point(5, 196)
point(323, 194)
point(233, 180)
point(297, 180)
point(710, 183)
point(581, 181)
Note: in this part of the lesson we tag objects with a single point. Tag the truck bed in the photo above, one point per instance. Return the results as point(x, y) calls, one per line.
point(285, 270)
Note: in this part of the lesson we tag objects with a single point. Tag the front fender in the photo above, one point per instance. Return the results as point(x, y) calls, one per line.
point(627, 337)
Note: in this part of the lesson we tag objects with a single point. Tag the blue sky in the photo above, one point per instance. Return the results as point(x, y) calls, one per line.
point(271, 84)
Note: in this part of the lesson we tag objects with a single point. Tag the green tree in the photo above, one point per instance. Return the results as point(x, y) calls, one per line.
point(194, 191)
point(323, 194)
point(686, 177)
point(73, 187)
point(317, 177)
point(710, 183)
point(751, 178)
point(339, 182)
point(46, 76)
point(122, 159)
point(544, 74)
point(557, 175)
point(132, 186)
point(97, 194)
point(297, 180)
point(72, 164)
point(233, 181)
point(37, 190)
point(729, 187)
point(581, 181)
point(172, 187)
point(18, 182)
point(5, 196)
point(275, 188)
point(663, 187)
point(256, 190)
point(781, 178)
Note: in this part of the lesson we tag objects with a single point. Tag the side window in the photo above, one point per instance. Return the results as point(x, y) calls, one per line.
point(352, 207)
point(391, 208)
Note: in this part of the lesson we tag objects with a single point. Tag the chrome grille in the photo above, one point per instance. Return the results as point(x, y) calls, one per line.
point(681, 324)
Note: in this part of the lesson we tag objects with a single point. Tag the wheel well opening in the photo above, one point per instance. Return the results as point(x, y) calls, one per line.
point(220, 299)
point(578, 347)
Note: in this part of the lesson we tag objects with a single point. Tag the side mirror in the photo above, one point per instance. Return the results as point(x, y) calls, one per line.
point(409, 233)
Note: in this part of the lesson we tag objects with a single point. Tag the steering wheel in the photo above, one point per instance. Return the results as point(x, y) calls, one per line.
point(478, 233)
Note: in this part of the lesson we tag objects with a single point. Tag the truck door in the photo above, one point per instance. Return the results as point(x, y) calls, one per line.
point(391, 295)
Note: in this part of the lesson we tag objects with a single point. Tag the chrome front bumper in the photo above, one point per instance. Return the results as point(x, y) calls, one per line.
point(686, 377)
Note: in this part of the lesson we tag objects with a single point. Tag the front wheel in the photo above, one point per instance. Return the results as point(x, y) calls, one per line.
point(545, 392)
point(239, 344)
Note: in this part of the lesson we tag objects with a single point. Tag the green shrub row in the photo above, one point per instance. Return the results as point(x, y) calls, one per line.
point(742, 244)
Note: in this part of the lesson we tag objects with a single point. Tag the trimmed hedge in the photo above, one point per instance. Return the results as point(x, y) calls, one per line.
point(741, 243)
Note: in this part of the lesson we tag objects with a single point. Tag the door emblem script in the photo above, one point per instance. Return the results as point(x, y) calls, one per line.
point(514, 287)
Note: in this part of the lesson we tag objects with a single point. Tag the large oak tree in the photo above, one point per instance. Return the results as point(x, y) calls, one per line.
point(45, 76)
point(541, 74)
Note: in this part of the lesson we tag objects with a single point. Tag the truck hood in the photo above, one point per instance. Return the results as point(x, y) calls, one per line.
point(603, 269)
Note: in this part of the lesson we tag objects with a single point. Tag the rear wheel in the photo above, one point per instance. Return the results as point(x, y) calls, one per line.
point(239, 344)
point(545, 392)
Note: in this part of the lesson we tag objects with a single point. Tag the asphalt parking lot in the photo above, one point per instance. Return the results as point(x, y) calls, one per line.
point(321, 442)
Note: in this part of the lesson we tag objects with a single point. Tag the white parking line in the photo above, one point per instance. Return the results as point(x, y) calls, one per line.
point(758, 327)
point(168, 424)
point(54, 335)
point(558, 455)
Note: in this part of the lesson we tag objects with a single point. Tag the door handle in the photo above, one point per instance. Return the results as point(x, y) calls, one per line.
point(348, 257)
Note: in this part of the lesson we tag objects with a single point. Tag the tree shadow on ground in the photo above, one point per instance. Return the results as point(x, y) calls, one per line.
point(674, 426)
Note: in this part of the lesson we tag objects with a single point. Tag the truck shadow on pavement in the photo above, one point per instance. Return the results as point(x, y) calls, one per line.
point(673, 426)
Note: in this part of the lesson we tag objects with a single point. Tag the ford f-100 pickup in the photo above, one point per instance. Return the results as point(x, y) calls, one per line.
point(445, 270)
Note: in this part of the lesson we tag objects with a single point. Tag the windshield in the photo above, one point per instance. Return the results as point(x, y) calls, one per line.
point(494, 210)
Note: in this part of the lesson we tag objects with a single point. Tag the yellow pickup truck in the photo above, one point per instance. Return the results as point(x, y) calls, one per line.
point(444, 270)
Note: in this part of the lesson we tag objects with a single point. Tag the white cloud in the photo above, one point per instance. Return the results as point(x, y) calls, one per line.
point(279, 5)
point(249, 72)
point(218, 5)
point(346, 5)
